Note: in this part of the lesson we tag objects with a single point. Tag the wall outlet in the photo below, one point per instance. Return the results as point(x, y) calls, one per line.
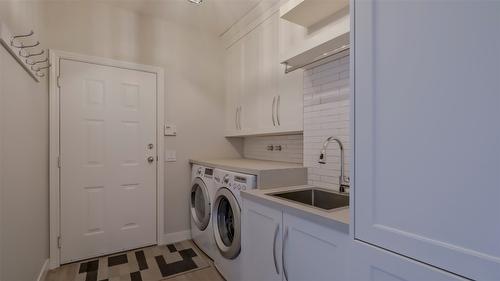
point(170, 155)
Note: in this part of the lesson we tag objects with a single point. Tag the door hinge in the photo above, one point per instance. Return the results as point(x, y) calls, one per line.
point(59, 81)
point(59, 242)
point(59, 162)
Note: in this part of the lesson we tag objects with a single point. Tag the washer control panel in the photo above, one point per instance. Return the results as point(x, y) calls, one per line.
point(234, 181)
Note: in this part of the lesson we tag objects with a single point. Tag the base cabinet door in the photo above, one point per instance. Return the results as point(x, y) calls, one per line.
point(261, 242)
point(370, 263)
point(314, 252)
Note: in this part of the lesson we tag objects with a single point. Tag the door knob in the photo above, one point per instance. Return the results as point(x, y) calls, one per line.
point(151, 159)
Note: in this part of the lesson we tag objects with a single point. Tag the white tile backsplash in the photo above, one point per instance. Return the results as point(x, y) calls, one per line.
point(326, 113)
point(292, 148)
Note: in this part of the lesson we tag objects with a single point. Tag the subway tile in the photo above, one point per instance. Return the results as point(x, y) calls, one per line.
point(330, 83)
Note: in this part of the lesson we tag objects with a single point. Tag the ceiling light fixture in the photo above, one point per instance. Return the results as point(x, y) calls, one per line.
point(196, 1)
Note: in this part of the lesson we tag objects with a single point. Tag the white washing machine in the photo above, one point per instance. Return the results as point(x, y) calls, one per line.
point(200, 201)
point(226, 220)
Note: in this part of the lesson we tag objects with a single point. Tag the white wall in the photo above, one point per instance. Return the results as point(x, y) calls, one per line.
point(193, 63)
point(291, 148)
point(194, 81)
point(326, 113)
point(24, 242)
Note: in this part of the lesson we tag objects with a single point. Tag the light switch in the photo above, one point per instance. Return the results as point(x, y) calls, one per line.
point(170, 155)
point(170, 130)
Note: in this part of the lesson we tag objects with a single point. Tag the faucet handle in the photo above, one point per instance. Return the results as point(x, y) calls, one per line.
point(322, 159)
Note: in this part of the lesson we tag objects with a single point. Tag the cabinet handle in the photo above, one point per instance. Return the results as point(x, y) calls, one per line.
point(236, 117)
point(278, 111)
point(274, 248)
point(285, 237)
point(272, 111)
point(239, 118)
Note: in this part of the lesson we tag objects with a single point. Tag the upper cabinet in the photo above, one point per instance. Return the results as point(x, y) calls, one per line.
point(260, 97)
point(234, 87)
point(427, 140)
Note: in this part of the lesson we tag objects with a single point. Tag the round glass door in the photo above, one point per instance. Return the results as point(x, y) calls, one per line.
point(227, 223)
point(200, 204)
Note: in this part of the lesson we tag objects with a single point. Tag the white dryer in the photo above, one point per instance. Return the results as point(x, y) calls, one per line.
point(226, 220)
point(200, 201)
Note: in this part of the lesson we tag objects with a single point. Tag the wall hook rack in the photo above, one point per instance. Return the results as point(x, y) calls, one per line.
point(19, 51)
point(36, 62)
point(29, 55)
point(22, 46)
point(13, 38)
point(37, 69)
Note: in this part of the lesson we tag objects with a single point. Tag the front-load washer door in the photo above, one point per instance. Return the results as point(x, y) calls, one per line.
point(200, 204)
point(227, 223)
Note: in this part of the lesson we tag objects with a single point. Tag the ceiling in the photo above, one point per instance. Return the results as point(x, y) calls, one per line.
point(213, 16)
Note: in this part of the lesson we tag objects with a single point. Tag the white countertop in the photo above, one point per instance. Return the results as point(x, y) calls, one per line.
point(247, 166)
point(340, 215)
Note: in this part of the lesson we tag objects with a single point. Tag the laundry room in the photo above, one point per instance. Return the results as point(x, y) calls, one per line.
point(249, 140)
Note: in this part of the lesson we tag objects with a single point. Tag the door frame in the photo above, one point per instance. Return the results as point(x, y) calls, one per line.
point(54, 147)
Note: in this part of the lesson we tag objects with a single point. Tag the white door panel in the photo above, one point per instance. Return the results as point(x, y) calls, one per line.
point(108, 188)
point(427, 139)
point(369, 263)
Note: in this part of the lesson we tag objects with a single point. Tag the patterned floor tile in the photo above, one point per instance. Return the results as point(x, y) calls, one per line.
point(146, 264)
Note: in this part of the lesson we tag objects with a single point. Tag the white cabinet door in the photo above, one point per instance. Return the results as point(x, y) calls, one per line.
point(369, 263)
point(251, 81)
point(290, 101)
point(108, 186)
point(269, 74)
point(234, 85)
point(314, 252)
point(427, 136)
point(261, 242)
point(282, 94)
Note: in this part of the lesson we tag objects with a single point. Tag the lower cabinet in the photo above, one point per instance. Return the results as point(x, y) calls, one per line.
point(280, 246)
point(369, 263)
point(313, 252)
point(261, 243)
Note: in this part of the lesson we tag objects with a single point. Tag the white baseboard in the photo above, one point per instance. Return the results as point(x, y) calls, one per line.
point(43, 271)
point(176, 237)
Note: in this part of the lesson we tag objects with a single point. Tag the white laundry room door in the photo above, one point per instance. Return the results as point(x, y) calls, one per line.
point(108, 159)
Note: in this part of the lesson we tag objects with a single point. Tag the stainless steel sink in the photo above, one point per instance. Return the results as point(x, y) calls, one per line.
point(315, 197)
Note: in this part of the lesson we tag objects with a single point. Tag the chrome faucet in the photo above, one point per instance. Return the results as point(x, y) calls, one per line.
point(343, 180)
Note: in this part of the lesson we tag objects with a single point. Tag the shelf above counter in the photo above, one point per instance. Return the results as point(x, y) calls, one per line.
point(310, 12)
